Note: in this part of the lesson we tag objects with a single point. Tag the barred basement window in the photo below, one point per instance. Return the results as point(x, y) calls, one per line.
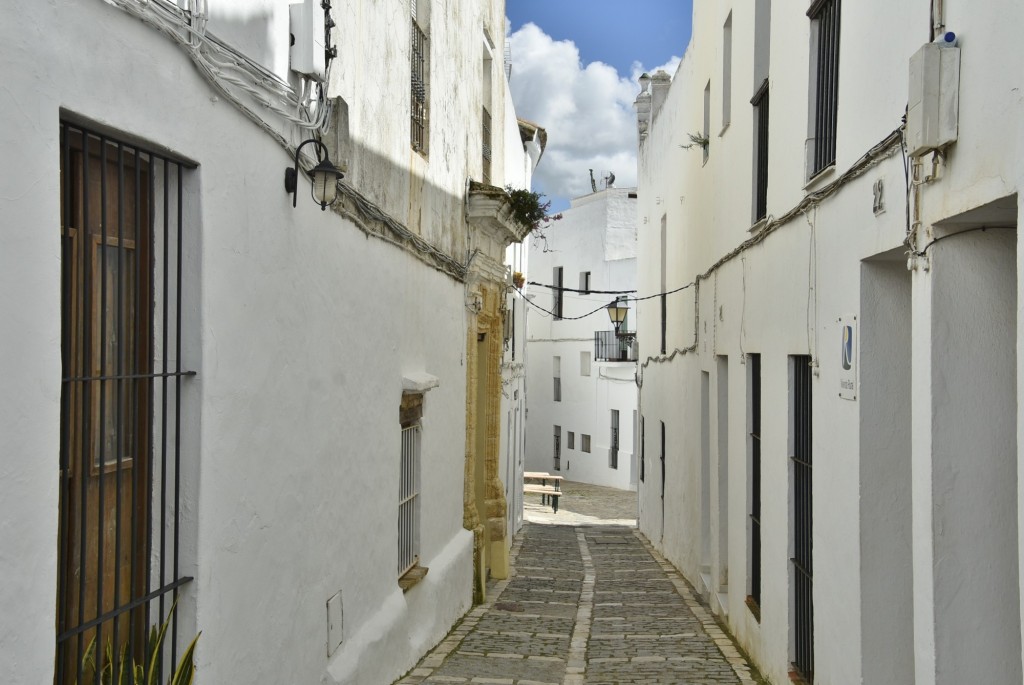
point(122, 231)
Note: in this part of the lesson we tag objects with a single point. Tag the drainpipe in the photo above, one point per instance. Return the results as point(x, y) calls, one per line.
point(938, 20)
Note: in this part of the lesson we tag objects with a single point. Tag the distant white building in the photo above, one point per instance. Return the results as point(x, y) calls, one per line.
point(832, 395)
point(217, 393)
point(582, 377)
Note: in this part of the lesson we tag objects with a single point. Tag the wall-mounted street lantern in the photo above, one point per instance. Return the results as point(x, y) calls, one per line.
point(617, 310)
point(325, 177)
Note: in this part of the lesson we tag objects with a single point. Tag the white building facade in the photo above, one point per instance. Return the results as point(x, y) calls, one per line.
point(582, 377)
point(830, 396)
point(213, 395)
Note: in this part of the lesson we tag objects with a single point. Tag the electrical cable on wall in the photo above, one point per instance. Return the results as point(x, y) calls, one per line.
point(602, 307)
point(924, 250)
point(881, 151)
point(230, 71)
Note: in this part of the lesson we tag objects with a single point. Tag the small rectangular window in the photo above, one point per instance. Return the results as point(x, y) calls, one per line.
point(585, 442)
point(558, 295)
point(585, 282)
point(558, 448)
point(613, 449)
point(584, 363)
point(571, 443)
point(556, 364)
point(643, 450)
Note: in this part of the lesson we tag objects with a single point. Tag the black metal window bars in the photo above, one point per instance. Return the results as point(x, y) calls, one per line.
point(760, 103)
point(803, 520)
point(119, 556)
point(755, 481)
point(419, 73)
point(826, 15)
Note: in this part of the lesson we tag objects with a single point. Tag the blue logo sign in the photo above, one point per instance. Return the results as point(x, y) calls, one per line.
point(847, 347)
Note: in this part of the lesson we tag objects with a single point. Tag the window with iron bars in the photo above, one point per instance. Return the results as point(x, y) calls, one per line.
point(613, 452)
point(486, 146)
point(754, 394)
point(643, 450)
point(123, 230)
point(558, 448)
point(420, 74)
point(760, 103)
point(803, 518)
point(825, 27)
point(557, 294)
point(409, 484)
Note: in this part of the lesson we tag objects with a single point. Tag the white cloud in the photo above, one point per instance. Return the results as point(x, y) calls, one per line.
point(586, 109)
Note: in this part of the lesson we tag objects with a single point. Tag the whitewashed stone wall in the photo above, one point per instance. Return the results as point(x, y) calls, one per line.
point(301, 326)
point(909, 584)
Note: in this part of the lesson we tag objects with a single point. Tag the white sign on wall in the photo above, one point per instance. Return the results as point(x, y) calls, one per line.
point(848, 357)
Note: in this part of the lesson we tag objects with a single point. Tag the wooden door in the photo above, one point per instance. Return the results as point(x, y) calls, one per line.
point(106, 361)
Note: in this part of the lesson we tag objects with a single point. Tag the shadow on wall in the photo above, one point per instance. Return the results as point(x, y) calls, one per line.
point(435, 214)
point(430, 212)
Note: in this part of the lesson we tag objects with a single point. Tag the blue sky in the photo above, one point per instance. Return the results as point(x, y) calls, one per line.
point(616, 32)
point(574, 70)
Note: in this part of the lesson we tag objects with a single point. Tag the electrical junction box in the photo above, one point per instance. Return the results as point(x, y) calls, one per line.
point(934, 99)
point(308, 39)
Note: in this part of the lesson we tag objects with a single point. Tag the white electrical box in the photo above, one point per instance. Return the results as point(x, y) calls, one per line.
point(934, 99)
point(308, 39)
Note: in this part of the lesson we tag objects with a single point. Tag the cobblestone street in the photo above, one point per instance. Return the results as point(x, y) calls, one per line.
point(588, 602)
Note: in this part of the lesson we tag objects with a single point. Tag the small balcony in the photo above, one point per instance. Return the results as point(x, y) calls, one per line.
point(610, 346)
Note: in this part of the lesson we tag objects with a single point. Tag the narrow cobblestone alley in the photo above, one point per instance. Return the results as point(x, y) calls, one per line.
point(587, 604)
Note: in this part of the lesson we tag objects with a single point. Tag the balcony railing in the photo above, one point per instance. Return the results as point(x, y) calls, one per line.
point(612, 347)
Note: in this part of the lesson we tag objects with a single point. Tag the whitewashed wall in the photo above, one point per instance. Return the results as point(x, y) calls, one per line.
point(300, 328)
point(597, 234)
point(906, 581)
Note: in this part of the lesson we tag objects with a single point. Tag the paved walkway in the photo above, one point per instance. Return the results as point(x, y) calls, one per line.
point(587, 603)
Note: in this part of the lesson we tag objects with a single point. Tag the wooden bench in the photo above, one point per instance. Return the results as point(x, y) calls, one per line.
point(545, 491)
point(552, 492)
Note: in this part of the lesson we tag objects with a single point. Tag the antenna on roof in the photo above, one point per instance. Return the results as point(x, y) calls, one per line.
point(593, 183)
point(609, 180)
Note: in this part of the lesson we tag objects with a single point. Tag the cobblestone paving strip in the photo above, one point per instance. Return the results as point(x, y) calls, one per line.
point(586, 605)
